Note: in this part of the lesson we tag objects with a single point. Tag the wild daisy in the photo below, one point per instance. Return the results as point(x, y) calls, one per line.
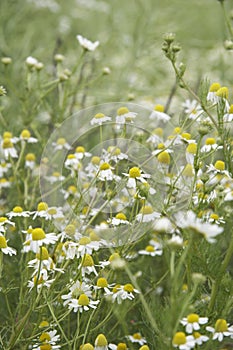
point(40, 281)
point(228, 116)
point(147, 214)
point(125, 116)
point(43, 260)
point(8, 149)
point(189, 220)
point(87, 265)
point(192, 322)
point(220, 330)
point(4, 222)
point(113, 154)
point(210, 145)
point(60, 144)
point(18, 211)
point(82, 303)
point(25, 136)
point(30, 161)
point(211, 96)
point(4, 247)
point(87, 44)
point(183, 342)
point(200, 338)
point(123, 292)
point(99, 119)
point(135, 174)
point(86, 246)
point(105, 172)
point(101, 342)
point(36, 238)
point(119, 346)
point(151, 250)
point(102, 284)
point(137, 338)
point(192, 109)
point(119, 219)
point(158, 114)
point(80, 153)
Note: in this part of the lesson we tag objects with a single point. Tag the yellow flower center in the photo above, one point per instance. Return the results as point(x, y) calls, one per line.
point(150, 249)
point(158, 131)
point(25, 134)
point(116, 288)
point(210, 141)
point(137, 336)
point(188, 170)
point(72, 189)
point(3, 243)
point(17, 209)
point(122, 111)
point(43, 254)
point(128, 287)
point(61, 141)
point(84, 241)
point(161, 146)
point(144, 347)
point(83, 300)
point(104, 166)
point(177, 130)
point(30, 157)
point(43, 324)
point(214, 87)
point(214, 216)
point(38, 234)
point(192, 148)
point(219, 165)
point(99, 116)
point(191, 318)
point(179, 338)
point(56, 174)
point(222, 92)
point(113, 257)
point(71, 156)
point(231, 109)
point(80, 149)
point(7, 135)
point(159, 108)
point(42, 206)
point(186, 136)
point(134, 172)
point(121, 216)
point(7, 143)
point(102, 282)
point(3, 219)
point(164, 157)
point(87, 346)
point(70, 229)
point(221, 325)
point(95, 160)
point(93, 236)
point(52, 211)
point(101, 340)
point(121, 346)
point(45, 347)
point(45, 337)
point(196, 335)
point(87, 261)
point(147, 209)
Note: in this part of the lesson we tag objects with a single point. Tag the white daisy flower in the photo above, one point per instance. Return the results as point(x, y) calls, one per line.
point(199, 338)
point(192, 322)
point(55, 177)
point(82, 303)
point(26, 137)
point(8, 149)
point(113, 154)
point(4, 247)
point(183, 342)
point(4, 221)
point(210, 145)
point(80, 153)
point(191, 221)
point(18, 212)
point(60, 144)
point(192, 109)
point(87, 44)
point(40, 281)
point(123, 292)
point(36, 238)
point(147, 214)
point(119, 219)
point(86, 246)
point(151, 250)
point(135, 174)
point(221, 330)
point(136, 338)
point(99, 119)
point(87, 265)
point(105, 172)
point(125, 116)
point(101, 342)
point(228, 116)
point(229, 196)
point(4, 167)
point(43, 261)
point(159, 114)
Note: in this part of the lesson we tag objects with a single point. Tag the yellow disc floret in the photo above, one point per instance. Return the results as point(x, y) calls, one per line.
point(192, 148)
point(221, 325)
point(128, 288)
point(121, 216)
point(83, 300)
point(42, 206)
point(99, 116)
point(191, 318)
point(105, 166)
point(122, 111)
point(159, 108)
point(43, 254)
point(164, 157)
point(179, 338)
point(80, 149)
point(102, 282)
point(219, 165)
point(214, 87)
point(17, 209)
point(25, 134)
point(101, 341)
point(134, 172)
point(38, 234)
point(3, 242)
point(222, 92)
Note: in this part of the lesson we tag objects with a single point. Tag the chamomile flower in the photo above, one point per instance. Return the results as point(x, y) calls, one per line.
point(192, 322)
point(135, 174)
point(48, 213)
point(211, 96)
point(158, 114)
point(38, 237)
point(4, 247)
point(82, 303)
point(119, 219)
point(86, 246)
point(105, 172)
point(156, 137)
point(228, 116)
point(192, 109)
point(123, 292)
point(101, 342)
point(229, 196)
point(48, 341)
point(55, 177)
point(119, 346)
point(191, 221)
point(5, 222)
point(210, 145)
point(61, 144)
point(8, 149)
point(199, 338)
point(77, 288)
point(87, 44)
point(102, 284)
point(87, 265)
point(43, 260)
point(80, 153)
point(191, 151)
point(218, 168)
point(151, 250)
point(30, 161)
point(147, 214)
point(125, 116)
point(113, 154)
point(40, 281)
point(137, 338)
point(25, 136)
point(18, 212)
point(183, 342)
point(221, 330)
point(99, 119)
point(4, 167)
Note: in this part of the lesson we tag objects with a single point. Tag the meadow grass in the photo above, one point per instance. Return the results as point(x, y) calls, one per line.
point(116, 175)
